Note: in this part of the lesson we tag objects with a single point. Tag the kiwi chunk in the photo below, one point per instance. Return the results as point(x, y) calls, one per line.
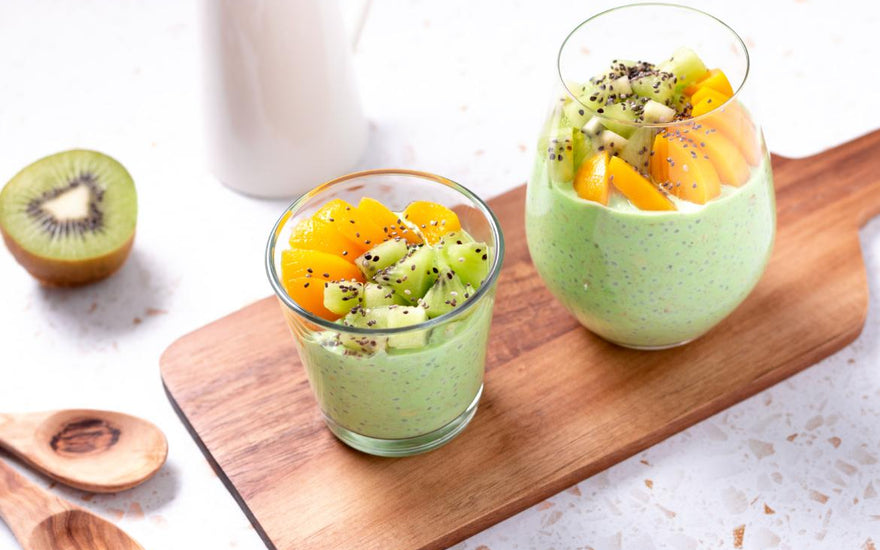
point(381, 256)
point(447, 293)
point(69, 218)
point(376, 295)
point(340, 297)
point(412, 276)
point(469, 261)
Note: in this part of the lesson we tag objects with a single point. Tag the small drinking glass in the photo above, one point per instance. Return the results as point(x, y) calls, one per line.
point(396, 400)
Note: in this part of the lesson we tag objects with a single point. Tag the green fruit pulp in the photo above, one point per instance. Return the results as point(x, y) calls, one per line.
point(93, 198)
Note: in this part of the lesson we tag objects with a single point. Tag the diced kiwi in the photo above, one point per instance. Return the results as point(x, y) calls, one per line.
point(576, 114)
point(470, 261)
point(656, 86)
point(686, 65)
point(593, 128)
point(365, 343)
point(412, 276)
point(611, 142)
point(657, 112)
point(560, 156)
point(583, 147)
point(340, 297)
point(447, 293)
point(403, 316)
point(619, 112)
point(375, 295)
point(637, 151)
point(455, 237)
point(69, 218)
point(381, 256)
point(621, 87)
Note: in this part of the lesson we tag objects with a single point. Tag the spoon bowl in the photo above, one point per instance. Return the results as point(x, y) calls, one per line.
point(91, 450)
point(41, 521)
point(77, 529)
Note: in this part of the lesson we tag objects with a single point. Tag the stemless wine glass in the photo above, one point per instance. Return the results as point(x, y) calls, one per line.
point(643, 278)
point(418, 386)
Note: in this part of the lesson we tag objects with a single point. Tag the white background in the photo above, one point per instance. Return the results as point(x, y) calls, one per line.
point(457, 88)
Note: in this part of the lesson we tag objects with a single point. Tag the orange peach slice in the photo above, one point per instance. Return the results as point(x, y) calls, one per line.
point(392, 225)
point(309, 294)
point(717, 80)
point(735, 124)
point(316, 234)
point(346, 219)
point(296, 263)
point(689, 176)
point(432, 219)
point(635, 187)
point(591, 179)
point(724, 155)
point(707, 99)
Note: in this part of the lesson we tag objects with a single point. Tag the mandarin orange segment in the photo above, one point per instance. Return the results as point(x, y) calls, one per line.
point(316, 234)
point(347, 220)
point(432, 219)
point(689, 175)
point(591, 179)
point(717, 80)
point(391, 224)
point(309, 294)
point(641, 192)
point(298, 262)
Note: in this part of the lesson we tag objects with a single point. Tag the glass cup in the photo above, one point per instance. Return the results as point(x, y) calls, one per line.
point(641, 278)
point(421, 385)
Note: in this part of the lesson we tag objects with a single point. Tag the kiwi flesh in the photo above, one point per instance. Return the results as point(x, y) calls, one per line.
point(69, 219)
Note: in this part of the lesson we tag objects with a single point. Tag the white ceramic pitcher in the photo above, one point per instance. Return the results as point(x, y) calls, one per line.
point(281, 105)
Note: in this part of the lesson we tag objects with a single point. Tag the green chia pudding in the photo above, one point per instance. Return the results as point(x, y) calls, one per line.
point(650, 211)
point(395, 394)
point(650, 279)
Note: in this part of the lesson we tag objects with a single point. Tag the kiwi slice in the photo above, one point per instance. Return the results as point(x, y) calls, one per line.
point(69, 218)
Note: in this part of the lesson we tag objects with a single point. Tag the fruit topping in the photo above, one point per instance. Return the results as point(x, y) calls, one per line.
point(431, 219)
point(394, 282)
point(298, 262)
point(641, 192)
point(651, 131)
point(591, 180)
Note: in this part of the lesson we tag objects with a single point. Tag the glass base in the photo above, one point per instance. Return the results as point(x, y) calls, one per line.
point(652, 348)
point(648, 348)
point(408, 446)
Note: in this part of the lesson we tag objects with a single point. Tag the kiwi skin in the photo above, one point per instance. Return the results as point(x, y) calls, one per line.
point(67, 273)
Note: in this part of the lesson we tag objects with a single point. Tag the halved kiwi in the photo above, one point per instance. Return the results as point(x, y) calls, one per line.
point(69, 218)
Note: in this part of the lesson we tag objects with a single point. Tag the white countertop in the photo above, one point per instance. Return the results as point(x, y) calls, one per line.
point(457, 88)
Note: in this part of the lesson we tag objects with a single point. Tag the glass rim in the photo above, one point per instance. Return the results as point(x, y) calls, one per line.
point(289, 302)
point(672, 124)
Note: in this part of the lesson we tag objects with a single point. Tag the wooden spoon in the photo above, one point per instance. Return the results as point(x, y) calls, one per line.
point(96, 451)
point(41, 521)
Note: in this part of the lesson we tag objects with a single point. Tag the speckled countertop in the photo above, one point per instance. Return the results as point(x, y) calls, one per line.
point(456, 88)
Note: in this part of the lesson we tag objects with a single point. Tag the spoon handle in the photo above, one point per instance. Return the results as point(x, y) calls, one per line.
point(23, 505)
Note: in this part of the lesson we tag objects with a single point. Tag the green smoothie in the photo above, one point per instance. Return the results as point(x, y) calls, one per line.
point(402, 393)
point(650, 279)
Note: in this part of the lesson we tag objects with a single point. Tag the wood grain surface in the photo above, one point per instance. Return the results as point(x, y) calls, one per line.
point(94, 451)
point(42, 521)
point(559, 405)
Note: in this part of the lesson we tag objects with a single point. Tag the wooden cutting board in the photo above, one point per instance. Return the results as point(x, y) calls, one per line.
point(559, 405)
